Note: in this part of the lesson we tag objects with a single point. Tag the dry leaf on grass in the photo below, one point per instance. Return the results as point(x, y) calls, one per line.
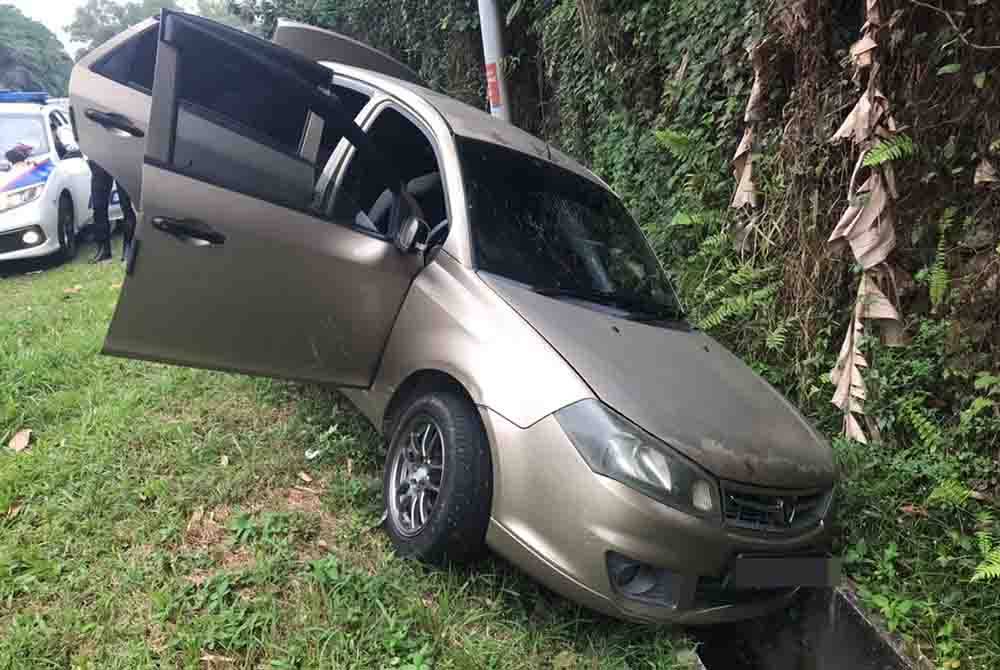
point(73, 289)
point(224, 461)
point(13, 511)
point(305, 477)
point(117, 285)
point(20, 440)
point(214, 659)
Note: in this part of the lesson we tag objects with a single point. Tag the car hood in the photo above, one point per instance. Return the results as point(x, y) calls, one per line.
point(685, 388)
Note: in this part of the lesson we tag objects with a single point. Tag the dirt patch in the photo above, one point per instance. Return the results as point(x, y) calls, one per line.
point(206, 528)
point(306, 500)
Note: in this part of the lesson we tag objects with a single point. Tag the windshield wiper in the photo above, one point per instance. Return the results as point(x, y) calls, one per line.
point(639, 309)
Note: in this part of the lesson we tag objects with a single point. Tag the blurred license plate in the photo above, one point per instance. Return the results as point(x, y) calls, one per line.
point(778, 571)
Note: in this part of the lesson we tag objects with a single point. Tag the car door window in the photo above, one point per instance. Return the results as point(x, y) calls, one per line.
point(268, 146)
point(366, 202)
point(132, 63)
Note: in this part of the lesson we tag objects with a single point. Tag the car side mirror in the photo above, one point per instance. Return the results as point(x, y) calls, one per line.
point(411, 230)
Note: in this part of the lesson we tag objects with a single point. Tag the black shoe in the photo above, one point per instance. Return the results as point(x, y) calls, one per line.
point(103, 253)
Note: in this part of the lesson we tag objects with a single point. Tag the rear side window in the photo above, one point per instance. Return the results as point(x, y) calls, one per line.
point(133, 62)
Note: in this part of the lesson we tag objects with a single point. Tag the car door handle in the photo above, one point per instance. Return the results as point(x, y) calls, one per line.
point(191, 231)
point(114, 122)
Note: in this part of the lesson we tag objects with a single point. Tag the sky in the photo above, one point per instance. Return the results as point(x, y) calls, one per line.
point(55, 14)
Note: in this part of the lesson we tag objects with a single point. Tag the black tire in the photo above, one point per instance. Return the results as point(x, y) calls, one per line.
point(67, 228)
point(455, 528)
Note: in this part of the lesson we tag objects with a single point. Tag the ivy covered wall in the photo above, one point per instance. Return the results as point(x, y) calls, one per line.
point(652, 96)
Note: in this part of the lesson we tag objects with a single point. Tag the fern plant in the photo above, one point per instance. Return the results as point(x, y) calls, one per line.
point(679, 144)
point(989, 568)
point(987, 542)
point(938, 278)
point(778, 337)
point(949, 493)
point(890, 149)
point(929, 434)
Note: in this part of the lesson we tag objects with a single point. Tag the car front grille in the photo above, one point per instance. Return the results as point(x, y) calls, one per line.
point(770, 511)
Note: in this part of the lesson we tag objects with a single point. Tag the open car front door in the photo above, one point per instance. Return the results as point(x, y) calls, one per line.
point(231, 268)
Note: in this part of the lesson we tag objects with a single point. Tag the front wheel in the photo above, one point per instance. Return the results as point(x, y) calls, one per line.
point(66, 228)
point(438, 480)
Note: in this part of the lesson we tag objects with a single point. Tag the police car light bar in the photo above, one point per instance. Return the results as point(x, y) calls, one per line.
point(24, 96)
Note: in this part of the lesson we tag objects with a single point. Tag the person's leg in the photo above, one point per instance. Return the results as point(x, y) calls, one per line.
point(128, 214)
point(100, 194)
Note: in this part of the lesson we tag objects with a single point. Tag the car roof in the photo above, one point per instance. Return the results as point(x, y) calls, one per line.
point(467, 121)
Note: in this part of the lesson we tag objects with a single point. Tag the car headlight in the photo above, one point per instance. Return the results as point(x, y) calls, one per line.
point(615, 447)
point(21, 196)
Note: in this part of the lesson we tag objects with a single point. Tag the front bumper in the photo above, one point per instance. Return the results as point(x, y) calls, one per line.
point(558, 521)
point(15, 222)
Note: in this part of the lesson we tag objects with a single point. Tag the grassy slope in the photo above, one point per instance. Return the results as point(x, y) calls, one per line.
point(158, 519)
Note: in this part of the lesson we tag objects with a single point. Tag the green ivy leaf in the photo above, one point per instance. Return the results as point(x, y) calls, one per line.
point(682, 219)
point(951, 68)
point(513, 12)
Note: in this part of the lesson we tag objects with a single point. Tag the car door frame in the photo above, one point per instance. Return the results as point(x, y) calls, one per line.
point(118, 153)
point(345, 153)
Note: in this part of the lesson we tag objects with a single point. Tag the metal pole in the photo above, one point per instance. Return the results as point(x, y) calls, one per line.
point(496, 84)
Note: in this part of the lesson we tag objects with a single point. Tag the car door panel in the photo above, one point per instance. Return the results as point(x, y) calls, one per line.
point(225, 272)
point(117, 152)
point(286, 295)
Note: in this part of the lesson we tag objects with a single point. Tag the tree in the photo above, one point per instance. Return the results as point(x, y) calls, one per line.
point(221, 11)
point(99, 20)
point(31, 57)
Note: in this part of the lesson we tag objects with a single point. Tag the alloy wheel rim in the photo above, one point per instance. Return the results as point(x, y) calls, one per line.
point(417, 472)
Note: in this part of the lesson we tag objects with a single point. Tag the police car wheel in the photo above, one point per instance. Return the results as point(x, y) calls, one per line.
point(67, 228)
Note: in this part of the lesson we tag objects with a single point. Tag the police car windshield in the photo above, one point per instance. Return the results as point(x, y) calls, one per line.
point(16, 129)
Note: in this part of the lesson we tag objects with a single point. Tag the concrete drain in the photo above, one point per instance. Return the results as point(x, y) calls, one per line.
point(824, 630)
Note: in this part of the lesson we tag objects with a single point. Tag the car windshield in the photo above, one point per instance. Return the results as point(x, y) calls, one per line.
point(559, 233)
point(23, 129)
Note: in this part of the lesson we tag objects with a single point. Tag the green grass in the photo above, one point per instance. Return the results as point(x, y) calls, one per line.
point(159, 519)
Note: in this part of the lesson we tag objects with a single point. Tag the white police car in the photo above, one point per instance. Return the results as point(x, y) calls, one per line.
point(44, 179)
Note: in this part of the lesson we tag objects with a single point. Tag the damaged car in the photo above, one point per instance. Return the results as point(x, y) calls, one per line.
point(310, 210)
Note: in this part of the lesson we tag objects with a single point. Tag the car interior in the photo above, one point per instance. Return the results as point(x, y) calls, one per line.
point(367, 202)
